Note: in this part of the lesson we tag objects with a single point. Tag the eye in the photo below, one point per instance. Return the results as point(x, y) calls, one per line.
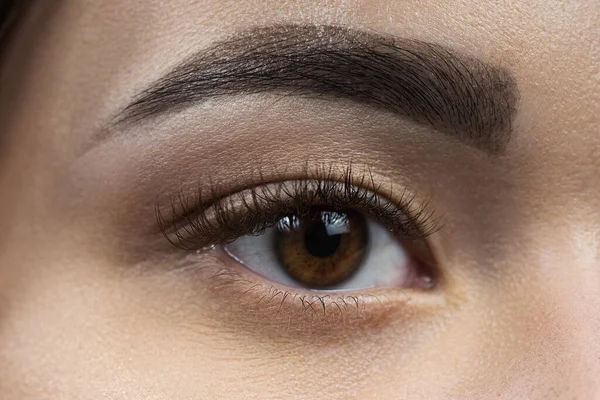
point(327, 249)
point(329, 231)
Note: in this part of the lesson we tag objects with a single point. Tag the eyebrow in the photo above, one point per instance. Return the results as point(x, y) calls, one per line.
point(455, 94)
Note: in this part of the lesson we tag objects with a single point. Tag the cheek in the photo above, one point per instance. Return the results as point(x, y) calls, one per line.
point(86, 335)
point(544, 342)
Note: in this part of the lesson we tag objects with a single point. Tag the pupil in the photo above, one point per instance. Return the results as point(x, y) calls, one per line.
point(319, 242)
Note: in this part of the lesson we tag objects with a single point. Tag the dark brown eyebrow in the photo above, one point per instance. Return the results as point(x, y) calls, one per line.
point(456, 94)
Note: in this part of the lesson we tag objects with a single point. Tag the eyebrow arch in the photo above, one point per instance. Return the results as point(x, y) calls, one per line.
point(455, 94)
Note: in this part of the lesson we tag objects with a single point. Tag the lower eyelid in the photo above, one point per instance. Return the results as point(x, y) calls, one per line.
point(243, 298)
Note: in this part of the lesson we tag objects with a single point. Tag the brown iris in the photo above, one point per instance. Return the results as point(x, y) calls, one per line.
point(322, 248)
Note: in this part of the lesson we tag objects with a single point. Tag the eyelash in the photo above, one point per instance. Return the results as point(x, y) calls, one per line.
point(196, 222)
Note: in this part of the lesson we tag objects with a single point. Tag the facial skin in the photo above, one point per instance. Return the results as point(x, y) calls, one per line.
point(94, 302)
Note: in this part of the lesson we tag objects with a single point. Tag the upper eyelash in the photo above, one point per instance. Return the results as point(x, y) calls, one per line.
point(196, 222)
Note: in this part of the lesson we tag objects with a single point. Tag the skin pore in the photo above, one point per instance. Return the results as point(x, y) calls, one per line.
point(110, 110)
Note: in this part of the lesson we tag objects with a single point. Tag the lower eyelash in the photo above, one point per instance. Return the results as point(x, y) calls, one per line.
point(245, 301)
point(297, 311)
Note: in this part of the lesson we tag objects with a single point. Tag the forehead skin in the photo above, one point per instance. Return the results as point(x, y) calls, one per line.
point(70, 329)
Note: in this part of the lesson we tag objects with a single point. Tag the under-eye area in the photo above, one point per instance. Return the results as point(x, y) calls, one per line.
point(258, 303)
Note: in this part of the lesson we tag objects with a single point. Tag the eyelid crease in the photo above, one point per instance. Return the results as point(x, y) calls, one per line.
point(195, 221)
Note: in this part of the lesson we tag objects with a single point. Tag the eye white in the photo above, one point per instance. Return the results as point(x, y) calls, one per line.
point(386, 262)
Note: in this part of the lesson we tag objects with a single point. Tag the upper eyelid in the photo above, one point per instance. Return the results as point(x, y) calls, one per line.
point(192, 221)
point(349, 174)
